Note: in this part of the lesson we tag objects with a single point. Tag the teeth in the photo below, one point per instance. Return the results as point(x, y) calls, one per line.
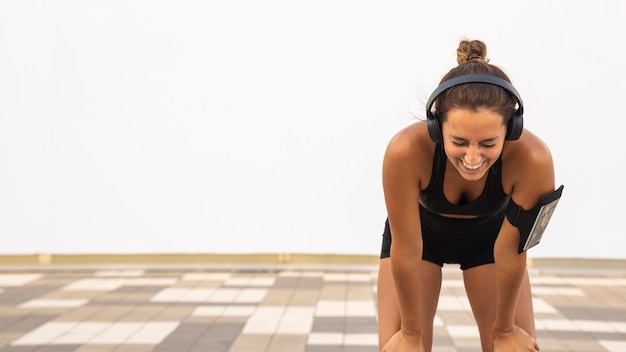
point(471, 167)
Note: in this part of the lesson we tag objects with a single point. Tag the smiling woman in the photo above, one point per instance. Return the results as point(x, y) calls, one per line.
point(476, 139)
point(448, 183)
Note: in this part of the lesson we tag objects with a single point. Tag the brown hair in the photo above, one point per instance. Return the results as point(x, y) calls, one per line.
point(472, 59)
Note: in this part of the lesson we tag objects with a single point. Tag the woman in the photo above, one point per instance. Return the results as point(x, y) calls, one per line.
point(448, 183)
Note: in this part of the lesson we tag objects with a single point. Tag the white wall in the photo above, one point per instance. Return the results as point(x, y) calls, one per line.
point(259, 126)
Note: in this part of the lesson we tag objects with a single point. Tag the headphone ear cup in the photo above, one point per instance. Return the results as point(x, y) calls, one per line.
point(434, 126)
point(515, 127)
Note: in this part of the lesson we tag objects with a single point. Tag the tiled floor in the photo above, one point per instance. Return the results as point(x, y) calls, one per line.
point(273, 309)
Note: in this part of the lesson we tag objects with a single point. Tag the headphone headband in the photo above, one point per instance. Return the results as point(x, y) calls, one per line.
point(515, 127)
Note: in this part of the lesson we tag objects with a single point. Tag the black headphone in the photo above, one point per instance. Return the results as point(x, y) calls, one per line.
point(514, 126)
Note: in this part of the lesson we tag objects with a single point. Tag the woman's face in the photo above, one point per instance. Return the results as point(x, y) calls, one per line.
point(473, 140)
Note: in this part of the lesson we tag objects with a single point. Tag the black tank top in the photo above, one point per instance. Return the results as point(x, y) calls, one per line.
point(489, 202)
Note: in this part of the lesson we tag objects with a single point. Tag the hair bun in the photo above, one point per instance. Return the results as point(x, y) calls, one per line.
point(471, 50)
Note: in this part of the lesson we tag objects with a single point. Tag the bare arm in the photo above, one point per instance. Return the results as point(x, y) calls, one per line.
point(533, 177)
point(401, 189)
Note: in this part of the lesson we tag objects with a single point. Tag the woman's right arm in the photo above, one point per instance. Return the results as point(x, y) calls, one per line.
point(401, 184)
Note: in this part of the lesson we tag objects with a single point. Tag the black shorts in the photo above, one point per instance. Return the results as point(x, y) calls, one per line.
point(468, 242)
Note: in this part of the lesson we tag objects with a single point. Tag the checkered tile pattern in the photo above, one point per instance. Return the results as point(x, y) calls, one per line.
point(274, 310)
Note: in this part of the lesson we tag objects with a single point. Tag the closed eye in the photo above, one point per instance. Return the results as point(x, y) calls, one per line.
point(462, 144)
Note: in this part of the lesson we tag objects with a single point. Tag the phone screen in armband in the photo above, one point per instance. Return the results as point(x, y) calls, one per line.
point(532, 223)
point(539, 227)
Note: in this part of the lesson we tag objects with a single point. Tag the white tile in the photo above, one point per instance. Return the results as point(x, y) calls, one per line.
point(262, 327)
point(150, 281)
point(557, 291)
point(208, 311)
point(359, 308)
point(329, 308)
point(103, 284)
point(462, 331)
point(346, 277)
point(58, 333)
point(452, 283)
point(81, 333)
point(590, 281)
point(298, 312)
point(152, 333)
point(453, 303)
point(110, 284)
point(546, 280)
point(262, 281)
point(594, 326)
point(44, 334)
point(186, 295)
point(356, 277)
point(16, 280)
point(289, 273)
point(293, 273)
point(556, 324)
point(53, 303)
point(239, 311)
point(119, 273)
point(224, 295)
point(296, 320)
point(619, 326)
point(360, 339)
point(273, 312)
point(613, 346)
point(170, 294)
point(264, 320)
point(541, 306)
point(237, 281)
point(116, 333)
point(251, 295)
point(325, 338)
point(197, 295)
point(300, 326)
point(335, 277)
point(225, 311)
point(438, 322)
point(206, 276)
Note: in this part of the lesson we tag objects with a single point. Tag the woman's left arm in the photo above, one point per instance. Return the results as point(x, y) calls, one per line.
point(532, 177)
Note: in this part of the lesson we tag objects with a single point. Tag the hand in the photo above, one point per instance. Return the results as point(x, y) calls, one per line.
point(402, 343)
point(516, 340)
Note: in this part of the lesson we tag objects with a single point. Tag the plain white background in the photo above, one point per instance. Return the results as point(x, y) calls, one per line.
point(259, 126)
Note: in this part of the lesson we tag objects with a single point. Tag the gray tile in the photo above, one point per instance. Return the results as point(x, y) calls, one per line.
point(219, 337)
point(328, 324)
point(251, 343)
point(324, 348)
point(360, 325)
point(186, 334)
point(291, 343)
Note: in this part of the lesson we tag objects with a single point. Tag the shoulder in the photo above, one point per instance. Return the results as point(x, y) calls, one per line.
point(410, 141)
point(528, 168)
point(529, 150)
point(409, 150)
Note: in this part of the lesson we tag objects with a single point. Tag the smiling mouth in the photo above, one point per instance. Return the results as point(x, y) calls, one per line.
point(472, 167)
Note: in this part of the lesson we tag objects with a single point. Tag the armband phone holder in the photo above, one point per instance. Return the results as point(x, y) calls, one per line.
point(533, 222)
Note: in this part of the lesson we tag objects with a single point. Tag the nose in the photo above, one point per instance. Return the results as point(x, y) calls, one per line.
point(472, 156)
